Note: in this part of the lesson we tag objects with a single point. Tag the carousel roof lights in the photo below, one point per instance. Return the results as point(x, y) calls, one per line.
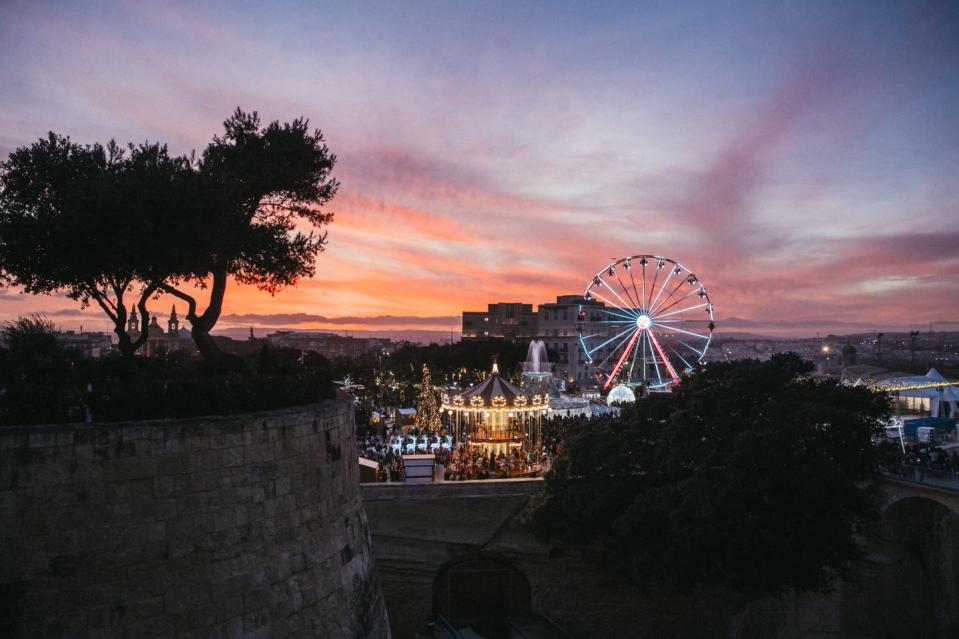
point(494, 394)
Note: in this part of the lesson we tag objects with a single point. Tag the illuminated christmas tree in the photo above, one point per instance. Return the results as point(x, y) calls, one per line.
point(427, 409)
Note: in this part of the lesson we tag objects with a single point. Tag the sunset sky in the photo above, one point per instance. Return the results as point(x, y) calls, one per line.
point(802, 158)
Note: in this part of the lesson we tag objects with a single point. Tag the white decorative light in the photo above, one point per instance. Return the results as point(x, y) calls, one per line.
point(620, 394)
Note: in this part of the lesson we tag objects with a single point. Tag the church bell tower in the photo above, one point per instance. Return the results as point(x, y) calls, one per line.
point(173, 324)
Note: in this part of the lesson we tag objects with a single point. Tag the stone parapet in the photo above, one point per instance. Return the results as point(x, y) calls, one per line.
point(449, 489)
point(246, 525)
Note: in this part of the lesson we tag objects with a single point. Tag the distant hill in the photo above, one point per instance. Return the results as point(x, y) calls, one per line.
point(735, 326)
point(411, 335)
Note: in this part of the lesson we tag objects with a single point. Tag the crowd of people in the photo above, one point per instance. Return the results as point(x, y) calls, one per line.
point(893, 460)
point(373, 446)
point(458, 460)
point(475, 462)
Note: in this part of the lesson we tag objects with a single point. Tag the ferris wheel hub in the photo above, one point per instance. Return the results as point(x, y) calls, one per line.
point(643, 322)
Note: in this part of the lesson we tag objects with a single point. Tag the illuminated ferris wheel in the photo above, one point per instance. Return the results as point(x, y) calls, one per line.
point(645, 321)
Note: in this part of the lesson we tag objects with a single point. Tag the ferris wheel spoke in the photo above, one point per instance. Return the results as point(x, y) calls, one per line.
point(593, 350)
point(582, 337)
point(624, 318)
point(692, 348)
point(680, 356)
point(632, 280)
point(619, 363)
point(662, 287)
point(625, 288)
point(682, 310)
point(671, 301)
point(669, 296)
point(645, 362)
point(652, 356)
point(629, 314)
point(679, 330)
point(682, 320)
point(652, 287)
point(632, 364)
point(665, 307)
point(666, 362)
point(612, 290)
point(613, 351)
point(582, 343)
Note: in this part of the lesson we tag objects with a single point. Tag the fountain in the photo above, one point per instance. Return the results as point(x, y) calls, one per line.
point(537, 372)
point(538, 380)
point(536, 359)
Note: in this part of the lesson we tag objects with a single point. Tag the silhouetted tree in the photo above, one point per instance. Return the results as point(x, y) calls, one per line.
point(99, 222)
point(476, 356)
point(89, 220)
point(32, 350)
point(751, 477)
point(254, 185)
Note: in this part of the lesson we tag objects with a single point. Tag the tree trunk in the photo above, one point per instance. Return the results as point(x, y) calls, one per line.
point(200, 326)
point(212, 355)
point(118, 315)
point(144, 316)
point(125, 343)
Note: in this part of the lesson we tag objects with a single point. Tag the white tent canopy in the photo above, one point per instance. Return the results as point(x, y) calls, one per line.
point(947, 394)
point(931, 393)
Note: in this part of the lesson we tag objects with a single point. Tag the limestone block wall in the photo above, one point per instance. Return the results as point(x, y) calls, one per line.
point(233, 526)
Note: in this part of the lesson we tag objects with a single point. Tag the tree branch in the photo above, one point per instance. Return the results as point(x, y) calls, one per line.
point(104, 304)
point(191, 302)
point(217, 290)
point(144, 315)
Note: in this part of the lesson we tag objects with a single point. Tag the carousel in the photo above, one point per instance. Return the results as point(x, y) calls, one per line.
point(496, 415)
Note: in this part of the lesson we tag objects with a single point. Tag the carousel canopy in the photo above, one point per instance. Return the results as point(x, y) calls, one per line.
point(496, 392)
point(494, 386)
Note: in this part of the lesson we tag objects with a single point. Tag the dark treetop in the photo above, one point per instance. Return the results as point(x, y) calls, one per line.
point(751, 476)
point(103, 222)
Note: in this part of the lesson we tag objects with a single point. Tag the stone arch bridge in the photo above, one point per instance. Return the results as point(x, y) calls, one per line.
point(909, 585)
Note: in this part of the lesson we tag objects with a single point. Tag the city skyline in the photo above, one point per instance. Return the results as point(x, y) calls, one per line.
point(801, 160)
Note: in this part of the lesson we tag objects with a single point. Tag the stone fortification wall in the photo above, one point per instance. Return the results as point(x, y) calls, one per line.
point(247, 525)
point(907, 588)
